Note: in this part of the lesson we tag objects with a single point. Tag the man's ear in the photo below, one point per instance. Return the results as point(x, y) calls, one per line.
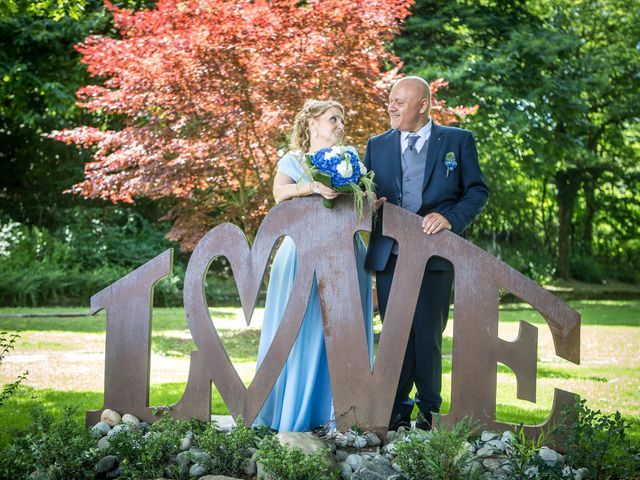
point(424, 105)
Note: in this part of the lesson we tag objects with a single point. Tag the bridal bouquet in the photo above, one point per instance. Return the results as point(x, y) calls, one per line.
point(340, 168)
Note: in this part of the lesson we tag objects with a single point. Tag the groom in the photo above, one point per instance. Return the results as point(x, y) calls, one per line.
point(432, 171)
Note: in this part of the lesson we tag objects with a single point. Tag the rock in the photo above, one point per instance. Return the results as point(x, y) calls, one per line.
point(550, 456)
point(198, 456)
point(491, 464)
point(305, 441)
point(354, 460)
point(373, 469)
point(377, 456)
point(224, 423)
point(360, 441)
point(309, 444)
point(250, 452)
point(341, 440)
point(346, 472)
point(391, 435)
point(103, 443)
point(469, 446)
point(106, 464)
point(117, 429)
point(249, 467)
point(508, 437)
point(341, 455)
point(580, 473)
point(391, 448)
point(185, 444)
point(128, 418)
point(401, 433)
point(183, 459)
point(498, 446)
point(197, 470)
point(531, 472)
point(217, 477)
point(484, 452)
point(111, 417)
point(114, 474)
point(100, 429)
point(487, 436)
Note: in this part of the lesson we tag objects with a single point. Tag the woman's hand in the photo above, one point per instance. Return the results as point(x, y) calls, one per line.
point(326, 192)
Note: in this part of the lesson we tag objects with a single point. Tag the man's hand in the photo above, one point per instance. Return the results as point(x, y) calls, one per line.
point(434, 222)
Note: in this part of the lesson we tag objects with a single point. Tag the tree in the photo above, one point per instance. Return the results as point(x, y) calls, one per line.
point(557, 84)
point(205, 92)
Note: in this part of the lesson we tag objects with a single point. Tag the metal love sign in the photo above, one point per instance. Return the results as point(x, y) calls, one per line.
point(324, 248)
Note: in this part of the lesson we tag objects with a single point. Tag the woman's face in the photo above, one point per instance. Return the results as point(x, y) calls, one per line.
point(328, 127)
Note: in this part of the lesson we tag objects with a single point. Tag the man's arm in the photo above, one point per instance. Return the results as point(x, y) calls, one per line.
point(475, 192)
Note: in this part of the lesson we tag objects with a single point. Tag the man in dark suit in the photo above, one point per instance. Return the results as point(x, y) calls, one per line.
point(432, 171)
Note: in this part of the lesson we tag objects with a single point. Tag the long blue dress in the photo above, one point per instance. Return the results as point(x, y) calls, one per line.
point(301, 399)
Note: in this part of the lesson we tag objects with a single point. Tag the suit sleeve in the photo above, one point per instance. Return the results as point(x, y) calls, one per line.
point(367, 156)
point(474, 190)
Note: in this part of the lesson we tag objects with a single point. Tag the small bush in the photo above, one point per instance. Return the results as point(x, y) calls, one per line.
point(586, 269)
point(440, 454)
point(285, 463)
point(56, 450)
point(599, 443)
point(7, 343)
point(227, 450)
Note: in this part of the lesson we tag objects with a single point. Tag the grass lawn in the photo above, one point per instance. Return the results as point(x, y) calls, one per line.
point(65, 360)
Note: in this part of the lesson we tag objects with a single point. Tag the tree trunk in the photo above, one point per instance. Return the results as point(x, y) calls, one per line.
point(589, 188)
point(567, 183)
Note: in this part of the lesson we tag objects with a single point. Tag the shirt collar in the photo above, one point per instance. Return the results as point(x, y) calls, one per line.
point(423, 133)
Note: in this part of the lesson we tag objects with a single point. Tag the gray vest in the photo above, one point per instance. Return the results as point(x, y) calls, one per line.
point(413, 165)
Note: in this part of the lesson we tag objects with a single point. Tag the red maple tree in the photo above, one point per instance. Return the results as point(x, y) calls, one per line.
point(205, 91)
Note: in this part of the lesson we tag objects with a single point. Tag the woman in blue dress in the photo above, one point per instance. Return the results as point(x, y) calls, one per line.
point(301, 398)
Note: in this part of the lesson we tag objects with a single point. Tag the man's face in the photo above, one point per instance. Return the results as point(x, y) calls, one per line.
point(407, 107)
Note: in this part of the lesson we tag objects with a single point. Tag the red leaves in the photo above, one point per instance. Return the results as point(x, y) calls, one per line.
point(209, 89)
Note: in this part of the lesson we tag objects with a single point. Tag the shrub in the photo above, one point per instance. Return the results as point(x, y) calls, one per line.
point(440, 454)
point(523, 456)
point(7, 343)
point(227, 450)
point(586, 269)
point(51, 449)
point(599, 443)
point(290, 463)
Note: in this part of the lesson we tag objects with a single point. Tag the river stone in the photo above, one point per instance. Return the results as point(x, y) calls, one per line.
point(498, 445)
point(491, 464)
point(185, 444)
point(508, 437)
point(391, 435)
point(580, 473)
point(360, 441)
point(372, 439)
point(217, 477)
point(100, 429)
point(354, 460)
point(249, 467)
point(305, 441)
point(346, 471)
point(183, 459)
point(103, 443)
point(374, 469)
point(484, 452)
point(341, 455)
point(197, 470)
point(128, 418)
point(488, 436)
point(112, 417)
point(550, 456)
point(106, 464)
point(118, 428)
point(224, 423)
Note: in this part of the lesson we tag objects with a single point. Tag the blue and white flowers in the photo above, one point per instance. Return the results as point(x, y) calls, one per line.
point(450, 163)
point(340, 168)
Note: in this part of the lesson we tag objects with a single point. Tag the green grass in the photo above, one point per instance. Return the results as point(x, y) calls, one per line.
point(609, 376)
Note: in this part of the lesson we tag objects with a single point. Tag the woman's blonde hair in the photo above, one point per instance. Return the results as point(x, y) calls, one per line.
point(300, 137)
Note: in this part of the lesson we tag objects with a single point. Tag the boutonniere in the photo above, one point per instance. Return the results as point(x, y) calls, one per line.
point(450, 163)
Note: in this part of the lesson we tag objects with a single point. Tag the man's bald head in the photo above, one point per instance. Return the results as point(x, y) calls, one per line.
point(409, 104)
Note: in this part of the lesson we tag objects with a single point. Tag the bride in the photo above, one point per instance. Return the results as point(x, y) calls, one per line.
point(301, 399)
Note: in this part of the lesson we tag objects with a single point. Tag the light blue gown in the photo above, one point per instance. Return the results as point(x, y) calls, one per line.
point(301, 399)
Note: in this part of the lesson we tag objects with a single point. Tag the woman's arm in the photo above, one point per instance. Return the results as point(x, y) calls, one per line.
point(285, 188)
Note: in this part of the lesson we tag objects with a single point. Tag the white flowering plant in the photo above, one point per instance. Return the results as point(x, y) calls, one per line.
point(340, 168)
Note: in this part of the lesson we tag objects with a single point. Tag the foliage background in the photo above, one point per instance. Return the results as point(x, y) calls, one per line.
point(556, 82)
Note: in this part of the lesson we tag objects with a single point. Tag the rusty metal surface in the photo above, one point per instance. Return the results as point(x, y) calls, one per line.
point(324, 246)
point(128, 304)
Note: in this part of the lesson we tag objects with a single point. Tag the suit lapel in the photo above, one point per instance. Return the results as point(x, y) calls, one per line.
point(435, 144)
point(396, 166)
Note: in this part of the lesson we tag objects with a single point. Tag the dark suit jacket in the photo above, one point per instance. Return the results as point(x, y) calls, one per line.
point(459, 197)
